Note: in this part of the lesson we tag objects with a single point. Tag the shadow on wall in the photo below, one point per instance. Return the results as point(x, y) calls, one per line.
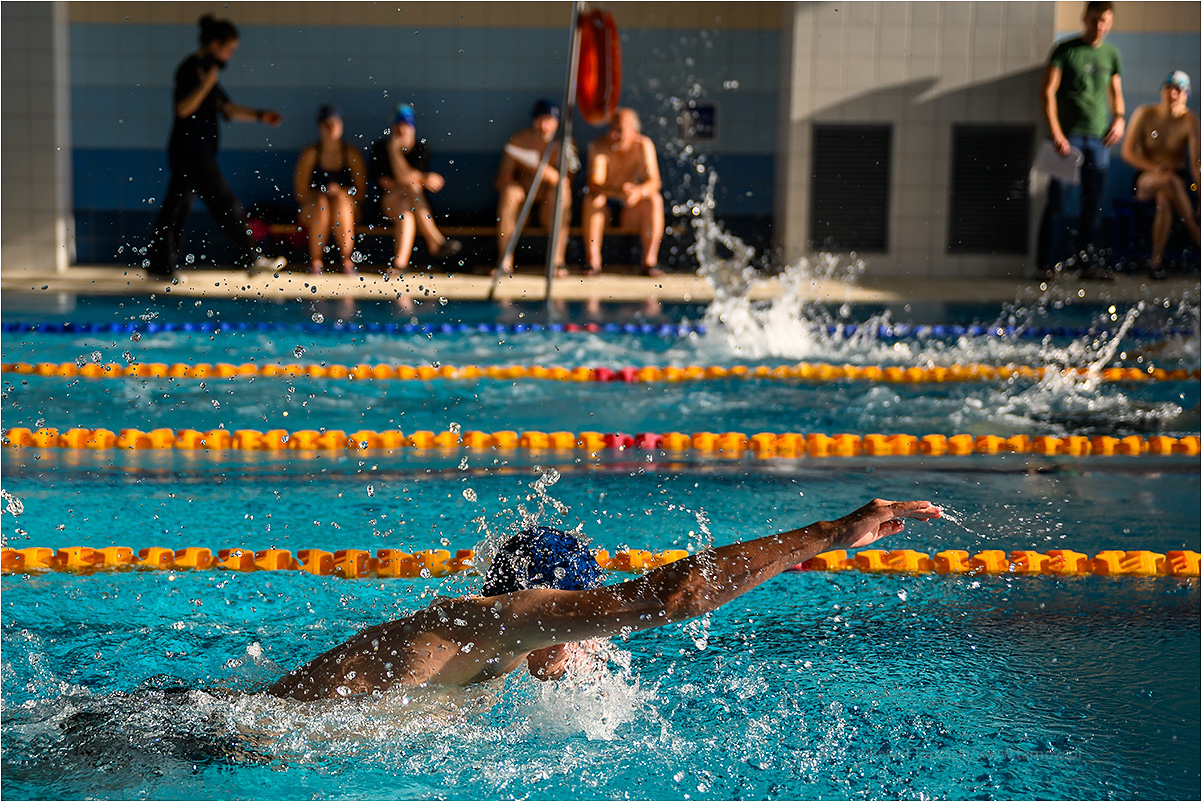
point(921, 176)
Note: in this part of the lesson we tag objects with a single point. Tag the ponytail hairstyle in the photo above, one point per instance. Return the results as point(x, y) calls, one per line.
point(216, 30)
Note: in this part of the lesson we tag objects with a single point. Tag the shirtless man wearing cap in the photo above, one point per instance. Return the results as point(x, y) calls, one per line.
point(622, 167)
point(515, 176)
point(542, 597)
point(1158, 140)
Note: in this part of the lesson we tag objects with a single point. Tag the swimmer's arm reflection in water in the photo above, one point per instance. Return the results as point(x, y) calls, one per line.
point(471, 639)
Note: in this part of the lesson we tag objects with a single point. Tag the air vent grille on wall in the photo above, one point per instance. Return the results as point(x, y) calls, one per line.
point(849, 198)
point(990, 205)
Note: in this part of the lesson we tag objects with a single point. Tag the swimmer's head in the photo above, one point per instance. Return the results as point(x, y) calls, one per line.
point(1178, 79)
point(404, 116)
point(624, 127)
point(544, 106)
point(545, 118)
point(329, 122)
point(541, 557)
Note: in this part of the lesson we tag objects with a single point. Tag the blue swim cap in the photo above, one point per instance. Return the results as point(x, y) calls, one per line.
point(541, 557)
point(404, 114)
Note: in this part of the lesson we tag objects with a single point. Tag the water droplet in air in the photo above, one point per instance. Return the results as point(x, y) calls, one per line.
point(371, 490)
point(318, 317)
point(901, 594)
point(453, 428)
point(298, 352)
point(469, 494)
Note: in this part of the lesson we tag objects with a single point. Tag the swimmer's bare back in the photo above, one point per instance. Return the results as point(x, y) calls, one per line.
point(472, 639)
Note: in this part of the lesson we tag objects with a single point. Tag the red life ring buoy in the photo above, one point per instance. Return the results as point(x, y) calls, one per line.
point(599, 68)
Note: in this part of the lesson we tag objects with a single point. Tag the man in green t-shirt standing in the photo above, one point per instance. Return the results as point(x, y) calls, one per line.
point(1082, 97)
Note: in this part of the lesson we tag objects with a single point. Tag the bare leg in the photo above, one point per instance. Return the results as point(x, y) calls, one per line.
point(404, 227)
point(546, 215)
point(316, 217)
point(648, 216)
point(343, 230)
point(508, 208)
point(594, 214)
point(1168, 191)
point(423, 217)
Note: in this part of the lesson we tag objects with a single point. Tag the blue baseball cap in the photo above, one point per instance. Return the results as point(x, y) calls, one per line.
point(404, 114)
point(541, 557)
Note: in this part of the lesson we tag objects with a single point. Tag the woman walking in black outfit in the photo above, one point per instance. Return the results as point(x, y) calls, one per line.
point(192, 153)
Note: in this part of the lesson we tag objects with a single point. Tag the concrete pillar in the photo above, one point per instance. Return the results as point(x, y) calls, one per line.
point(35, 106)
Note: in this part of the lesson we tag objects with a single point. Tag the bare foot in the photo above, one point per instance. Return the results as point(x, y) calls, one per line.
point(315, 268)
point(652, 270)
point(593, 271)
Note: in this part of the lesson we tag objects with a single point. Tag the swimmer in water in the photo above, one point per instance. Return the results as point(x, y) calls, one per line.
point(542, 600)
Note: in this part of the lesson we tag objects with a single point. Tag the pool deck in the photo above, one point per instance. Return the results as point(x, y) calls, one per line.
point(612, 287)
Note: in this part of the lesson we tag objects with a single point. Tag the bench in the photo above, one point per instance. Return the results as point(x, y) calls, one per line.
point(479, 240)
point(385, 229)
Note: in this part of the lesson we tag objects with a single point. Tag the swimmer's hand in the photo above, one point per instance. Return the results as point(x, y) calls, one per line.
point(877, 519)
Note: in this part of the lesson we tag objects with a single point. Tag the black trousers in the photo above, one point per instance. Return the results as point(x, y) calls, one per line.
point(188, 181)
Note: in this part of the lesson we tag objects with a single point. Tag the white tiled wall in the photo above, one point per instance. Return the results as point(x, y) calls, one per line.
point(922, 66)
point(35, 198)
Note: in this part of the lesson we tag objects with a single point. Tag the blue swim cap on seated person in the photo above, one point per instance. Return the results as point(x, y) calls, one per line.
point(404, 114)
point(541, 557)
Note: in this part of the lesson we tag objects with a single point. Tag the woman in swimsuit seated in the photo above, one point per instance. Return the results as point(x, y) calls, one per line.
point(329, 181)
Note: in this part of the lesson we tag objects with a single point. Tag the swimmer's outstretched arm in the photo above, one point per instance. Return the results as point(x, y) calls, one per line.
point(697, 584)
point(469, 639)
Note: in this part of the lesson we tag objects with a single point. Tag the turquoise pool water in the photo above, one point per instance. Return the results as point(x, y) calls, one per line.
point(813, 686)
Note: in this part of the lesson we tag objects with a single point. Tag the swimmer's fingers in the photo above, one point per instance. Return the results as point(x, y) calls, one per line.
point(916, 510)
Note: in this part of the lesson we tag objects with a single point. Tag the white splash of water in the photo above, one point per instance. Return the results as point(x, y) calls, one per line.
point(784, 325)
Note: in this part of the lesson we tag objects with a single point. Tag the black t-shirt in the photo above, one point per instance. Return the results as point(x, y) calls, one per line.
point(195, 138)
point(379, 165)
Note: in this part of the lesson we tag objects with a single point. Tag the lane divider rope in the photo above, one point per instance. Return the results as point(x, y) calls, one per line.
point(804, 371)
point(394, 563)
point(726, 444)
point(885, 332)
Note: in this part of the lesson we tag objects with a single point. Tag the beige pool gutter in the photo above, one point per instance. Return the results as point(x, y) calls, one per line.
point(672, 288)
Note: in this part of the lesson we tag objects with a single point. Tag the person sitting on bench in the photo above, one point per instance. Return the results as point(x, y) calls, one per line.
point(328, 183)
point(515, 177)
point(400, 165)
point(1158, 140)
point(623, 169)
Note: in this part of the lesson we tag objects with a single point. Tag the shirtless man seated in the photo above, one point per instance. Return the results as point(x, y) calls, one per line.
point(1158, 139)
point(516, 175)
point(622, 167)
point(542, 596)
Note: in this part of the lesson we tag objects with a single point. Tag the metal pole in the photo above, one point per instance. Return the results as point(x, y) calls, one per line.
point(569, 108)
point(512, 245)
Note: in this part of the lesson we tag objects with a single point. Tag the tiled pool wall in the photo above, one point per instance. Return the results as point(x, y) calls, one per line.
point(88, 90)
point(472, 71)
